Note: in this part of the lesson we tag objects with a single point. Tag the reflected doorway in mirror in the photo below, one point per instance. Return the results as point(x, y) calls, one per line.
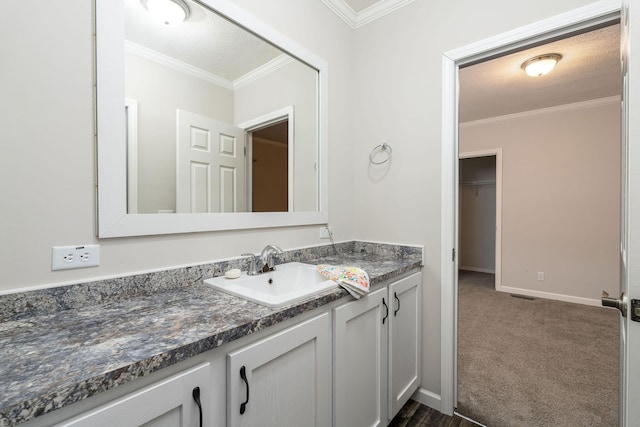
point(270, 168)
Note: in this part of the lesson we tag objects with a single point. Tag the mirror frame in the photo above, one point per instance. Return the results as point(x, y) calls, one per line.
point(113, 219)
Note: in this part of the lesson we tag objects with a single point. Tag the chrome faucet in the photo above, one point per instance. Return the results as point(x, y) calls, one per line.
point(253, 266)
point(266, 256)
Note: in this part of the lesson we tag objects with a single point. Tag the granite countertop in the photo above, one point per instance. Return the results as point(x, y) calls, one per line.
point(52, 358)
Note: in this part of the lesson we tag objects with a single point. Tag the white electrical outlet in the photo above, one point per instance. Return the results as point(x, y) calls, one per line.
point(324, 233)
point(541, 275)
point(68, 257)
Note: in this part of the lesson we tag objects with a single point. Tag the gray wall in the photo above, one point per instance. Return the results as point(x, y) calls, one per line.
point(561, 197)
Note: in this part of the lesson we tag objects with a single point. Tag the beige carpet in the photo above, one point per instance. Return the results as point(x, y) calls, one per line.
point(534, 362)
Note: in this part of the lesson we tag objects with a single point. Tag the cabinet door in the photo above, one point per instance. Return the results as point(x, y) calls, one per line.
point(168, 403)
point(360, 371)
point(284, 379)
point(404, 341)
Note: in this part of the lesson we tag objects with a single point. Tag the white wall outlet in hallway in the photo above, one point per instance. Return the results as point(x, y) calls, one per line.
point(540, 275)
point(68, 257)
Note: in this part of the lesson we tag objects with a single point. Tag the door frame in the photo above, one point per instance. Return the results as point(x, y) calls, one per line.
point(286, 113)
point(497, 153)
point(565, 23)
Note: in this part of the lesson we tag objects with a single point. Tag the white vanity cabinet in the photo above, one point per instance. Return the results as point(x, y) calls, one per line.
point(167, 403)
point(344, 364)
point(360, 361)
point(405, 351)
point(377, 357)
point(283, 379)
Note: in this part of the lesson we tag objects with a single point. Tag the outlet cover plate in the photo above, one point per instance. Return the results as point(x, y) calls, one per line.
point(324, 233)
point(69, 257)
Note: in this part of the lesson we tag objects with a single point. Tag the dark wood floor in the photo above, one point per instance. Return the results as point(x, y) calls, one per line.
point(414, 414)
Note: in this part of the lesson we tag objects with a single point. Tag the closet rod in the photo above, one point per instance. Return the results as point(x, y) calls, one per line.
point(489, 182)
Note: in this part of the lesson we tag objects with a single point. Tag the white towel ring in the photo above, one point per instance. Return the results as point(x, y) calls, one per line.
point(382, 148)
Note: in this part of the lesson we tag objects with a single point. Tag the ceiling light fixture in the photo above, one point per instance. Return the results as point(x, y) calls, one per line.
point(541, 64)
point(169, 12)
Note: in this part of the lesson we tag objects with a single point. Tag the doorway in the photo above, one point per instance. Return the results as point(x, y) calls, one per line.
point(560, 26)
point(480, 223)
point(270, 168)
point(270, 161)
point(560, 217)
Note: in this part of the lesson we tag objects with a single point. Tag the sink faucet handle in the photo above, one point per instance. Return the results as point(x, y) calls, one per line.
point(253, 266)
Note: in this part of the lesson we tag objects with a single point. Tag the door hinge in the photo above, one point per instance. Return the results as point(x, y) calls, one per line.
point(453, 255)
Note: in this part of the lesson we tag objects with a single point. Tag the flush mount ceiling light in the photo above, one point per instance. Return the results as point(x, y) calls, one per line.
point(169, 12)
point(541, 64)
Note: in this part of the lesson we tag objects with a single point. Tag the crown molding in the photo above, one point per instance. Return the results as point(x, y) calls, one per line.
point(271, 66)
point(168, 61)
point(343, 10)
point(593, 103)
point(371, 13)
point(378, 10)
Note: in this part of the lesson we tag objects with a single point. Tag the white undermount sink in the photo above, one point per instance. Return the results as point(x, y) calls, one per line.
point(290, 282)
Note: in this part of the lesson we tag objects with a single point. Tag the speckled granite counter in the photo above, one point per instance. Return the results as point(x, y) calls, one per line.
point(62, 345)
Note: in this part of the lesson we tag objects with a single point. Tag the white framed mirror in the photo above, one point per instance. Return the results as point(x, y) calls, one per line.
point(217, 122)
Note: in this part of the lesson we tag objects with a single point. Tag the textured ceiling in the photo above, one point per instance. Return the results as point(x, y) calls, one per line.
point(589, 69)
point(205, 40)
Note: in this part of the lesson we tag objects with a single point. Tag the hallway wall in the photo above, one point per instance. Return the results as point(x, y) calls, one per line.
point(560, 197)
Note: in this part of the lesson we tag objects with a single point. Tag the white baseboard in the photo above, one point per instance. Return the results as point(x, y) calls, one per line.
point(549, 295)
point(478, 270)
point(427, 398)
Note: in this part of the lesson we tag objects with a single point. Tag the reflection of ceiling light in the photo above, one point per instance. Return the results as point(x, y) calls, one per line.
point(541, 65)
point(169, 12)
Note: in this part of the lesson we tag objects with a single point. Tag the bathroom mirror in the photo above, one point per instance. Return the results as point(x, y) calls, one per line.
point(214, 122)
